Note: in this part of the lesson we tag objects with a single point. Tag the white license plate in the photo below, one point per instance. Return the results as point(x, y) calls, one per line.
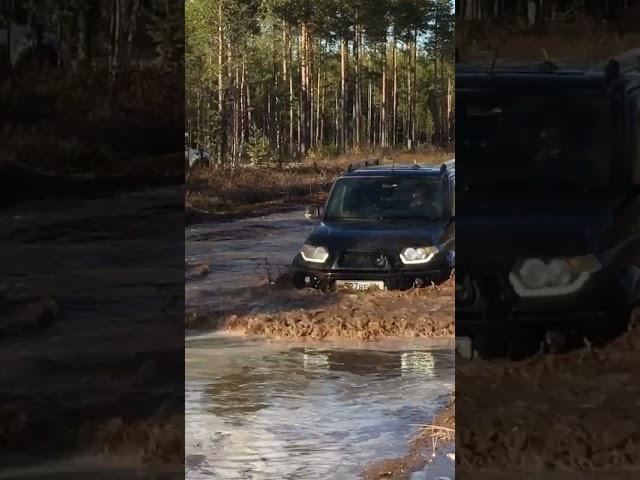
point(359, 285)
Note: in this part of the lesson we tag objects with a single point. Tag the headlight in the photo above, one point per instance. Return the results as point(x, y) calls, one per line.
point(314, 254)
point(536, 277)
point(413, 255)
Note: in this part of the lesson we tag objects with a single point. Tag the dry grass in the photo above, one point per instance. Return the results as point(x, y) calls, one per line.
point(442, 429)
point(584, 42)
point(82, 124)
point(258, 190)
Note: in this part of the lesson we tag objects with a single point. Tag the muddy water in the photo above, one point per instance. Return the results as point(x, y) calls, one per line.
point(261, 410)
point(241, 253)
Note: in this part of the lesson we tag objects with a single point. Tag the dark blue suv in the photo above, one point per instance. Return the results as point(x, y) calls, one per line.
point(383, 227)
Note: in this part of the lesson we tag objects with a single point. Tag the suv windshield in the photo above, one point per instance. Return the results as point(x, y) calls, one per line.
point(534, 139)
point(417, 197)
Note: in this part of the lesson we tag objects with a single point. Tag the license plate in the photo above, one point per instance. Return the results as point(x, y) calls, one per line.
point(359, 285)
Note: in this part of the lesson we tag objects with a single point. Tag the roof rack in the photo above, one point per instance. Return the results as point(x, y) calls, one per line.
point(364, 163)
point(622, 63)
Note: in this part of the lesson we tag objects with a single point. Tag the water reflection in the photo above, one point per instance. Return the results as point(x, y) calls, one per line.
point(253, 412)
point(422, 362)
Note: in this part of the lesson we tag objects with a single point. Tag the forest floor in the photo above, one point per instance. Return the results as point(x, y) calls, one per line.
point(222, 193)
point(570, 42)
point(59, 129)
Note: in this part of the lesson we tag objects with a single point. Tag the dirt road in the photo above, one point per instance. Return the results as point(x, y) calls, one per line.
point(236, 283)
point(92, 333)
point(577, 410)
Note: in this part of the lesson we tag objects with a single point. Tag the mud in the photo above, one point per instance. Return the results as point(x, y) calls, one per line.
point(577, 410)
point(91, 331)
point(285, 313)
point(237, 281)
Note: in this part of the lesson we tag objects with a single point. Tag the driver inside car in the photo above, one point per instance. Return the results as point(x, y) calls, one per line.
point(424, 203)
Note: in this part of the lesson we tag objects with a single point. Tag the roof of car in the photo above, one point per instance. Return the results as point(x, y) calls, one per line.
point(395, 171)
point(505, 73)
point(470, 76)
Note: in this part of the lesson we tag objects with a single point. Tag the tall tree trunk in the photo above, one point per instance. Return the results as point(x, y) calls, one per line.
point(81, 52)
point(383, 99)
point(336, 120)
point(395, 93)
point(323, 88)
point(133, 23)
point(249, 108)
point(310, 91)
point(244, 134)
point(344, 59)
point(444, 95)
point(114, 40)
point(370, 115)
point(358, 94)
point(286, 59)
point(221, 107)
point(409, 119)
point(415, 88)
point(291, 110)
point(318, 102)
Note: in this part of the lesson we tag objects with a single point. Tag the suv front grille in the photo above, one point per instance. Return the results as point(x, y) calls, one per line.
point(363, 260)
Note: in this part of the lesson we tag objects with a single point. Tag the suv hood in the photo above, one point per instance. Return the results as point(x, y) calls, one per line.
point(365, 236)
point(508, 225)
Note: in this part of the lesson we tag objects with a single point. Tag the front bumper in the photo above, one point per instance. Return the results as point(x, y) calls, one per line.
point(489, 299)
point(397, 278)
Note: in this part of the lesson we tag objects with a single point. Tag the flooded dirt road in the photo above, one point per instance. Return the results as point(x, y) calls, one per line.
point(228, 271)
point(91, 333)
point(240, 253)
point(257, 409)
point(324, 404)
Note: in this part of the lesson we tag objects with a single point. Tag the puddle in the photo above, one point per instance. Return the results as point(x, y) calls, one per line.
point(240, 252)
point(257, 409)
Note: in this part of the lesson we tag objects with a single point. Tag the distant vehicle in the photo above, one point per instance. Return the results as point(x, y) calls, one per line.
point(549, 195)
point(196, 157)
point(29, 45)
point(383, 227)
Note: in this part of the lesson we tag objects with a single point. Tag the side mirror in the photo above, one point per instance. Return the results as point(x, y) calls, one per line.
point(313, 212)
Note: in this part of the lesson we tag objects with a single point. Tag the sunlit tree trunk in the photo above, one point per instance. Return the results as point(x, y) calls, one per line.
point(394, 94)
point(383, 99)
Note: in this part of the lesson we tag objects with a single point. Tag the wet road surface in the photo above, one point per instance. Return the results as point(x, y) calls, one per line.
point(261, 410)
point(240, 253)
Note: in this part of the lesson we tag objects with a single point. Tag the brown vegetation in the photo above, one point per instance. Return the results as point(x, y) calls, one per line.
point(430, 438)
point(577, 42)
point(225, 192)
